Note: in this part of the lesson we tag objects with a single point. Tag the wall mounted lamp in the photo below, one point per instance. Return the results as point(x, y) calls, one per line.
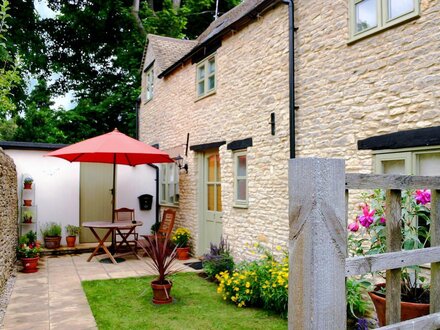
point(181, 164)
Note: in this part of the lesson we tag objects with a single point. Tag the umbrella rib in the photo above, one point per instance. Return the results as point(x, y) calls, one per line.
point(128, 160)
point(74, 159)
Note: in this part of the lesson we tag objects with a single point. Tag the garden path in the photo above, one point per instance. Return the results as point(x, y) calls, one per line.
point(53, 297)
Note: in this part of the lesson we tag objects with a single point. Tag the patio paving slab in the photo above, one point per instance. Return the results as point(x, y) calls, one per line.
point(53, 297)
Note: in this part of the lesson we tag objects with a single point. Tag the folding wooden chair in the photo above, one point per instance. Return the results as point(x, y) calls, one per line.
point(126, 214)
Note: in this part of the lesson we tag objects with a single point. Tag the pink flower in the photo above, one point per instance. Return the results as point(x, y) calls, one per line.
point(367, 218)
point(423, 196)
point(354, 226)
point(383, 220)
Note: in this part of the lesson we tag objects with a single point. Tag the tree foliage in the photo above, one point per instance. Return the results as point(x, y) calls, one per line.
point(93, 48)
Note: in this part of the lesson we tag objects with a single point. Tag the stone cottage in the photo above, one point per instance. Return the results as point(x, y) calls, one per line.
point(367, 89)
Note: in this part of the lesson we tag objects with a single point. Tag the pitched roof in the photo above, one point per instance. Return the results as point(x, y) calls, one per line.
point(170, 52)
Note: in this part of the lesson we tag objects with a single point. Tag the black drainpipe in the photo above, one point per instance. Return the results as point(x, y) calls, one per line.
point(138, 105)
point(157, 190)
point(291, 79)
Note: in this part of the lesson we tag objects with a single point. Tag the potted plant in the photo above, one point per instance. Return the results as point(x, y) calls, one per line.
point(27, 217)
point(28, 182)
point(415, 234)
point(28, 251)
point(161, 260)
point(52, 235)
point(72, 232)
point(181, 240)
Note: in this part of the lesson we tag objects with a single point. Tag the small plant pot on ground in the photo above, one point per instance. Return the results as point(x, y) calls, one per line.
point(28, 186)
point(71, 241)
point(182, 253)
point(30, 265)
point(161, 292)
point(27, 202)
point(52, 242)
point(409, 310)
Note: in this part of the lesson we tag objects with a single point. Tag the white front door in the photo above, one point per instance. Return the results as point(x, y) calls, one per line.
point(211, 224)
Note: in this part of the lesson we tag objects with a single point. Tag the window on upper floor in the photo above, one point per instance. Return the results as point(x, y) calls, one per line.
point(240, 179)
point(169, 184)
point(369, 16)
point(150, 84)
point(416, 161)
point(206, 81)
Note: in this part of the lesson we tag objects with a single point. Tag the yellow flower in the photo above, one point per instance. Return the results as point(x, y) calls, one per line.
point(247, 291)
point(248, 284)
point(278, 248)
point(236, 288)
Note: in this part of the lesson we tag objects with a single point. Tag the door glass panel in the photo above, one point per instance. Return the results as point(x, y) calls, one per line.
point(211, 169)
point(397, 8)
point(217, 159)
point(429, 164)
point(366, 15)
point(211, 197)
point(393, 166)
point(219, 198)
point(241, 191)
point(241, 166)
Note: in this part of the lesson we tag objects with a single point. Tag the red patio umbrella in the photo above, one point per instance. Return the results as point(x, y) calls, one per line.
point(112, 148)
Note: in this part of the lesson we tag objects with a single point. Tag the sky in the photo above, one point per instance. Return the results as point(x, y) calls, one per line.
point(64, 101)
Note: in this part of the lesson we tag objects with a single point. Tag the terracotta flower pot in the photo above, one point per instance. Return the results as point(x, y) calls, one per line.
point(161, 292)
point(182, 253)
point(52, 242)
point(27, 202)
point(30, 265)
point(408, 310)
point(71, 241)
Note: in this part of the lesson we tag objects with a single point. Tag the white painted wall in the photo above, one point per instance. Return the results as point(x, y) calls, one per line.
point(132, 182)
point(57, 188)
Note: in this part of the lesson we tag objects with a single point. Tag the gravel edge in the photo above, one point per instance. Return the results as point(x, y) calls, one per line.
point(5, 295)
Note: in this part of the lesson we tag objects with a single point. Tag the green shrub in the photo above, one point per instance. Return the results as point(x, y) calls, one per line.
point(262, 282)
point(219, 259)
point(357, 305)
point(72, 230)
point(51, 229)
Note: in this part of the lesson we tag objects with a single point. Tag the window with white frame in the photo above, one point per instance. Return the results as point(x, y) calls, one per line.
point(206, 81)
point(169, 184)
point(369, 16)
point(415, 161)
point(150, 84)
point(241, 194)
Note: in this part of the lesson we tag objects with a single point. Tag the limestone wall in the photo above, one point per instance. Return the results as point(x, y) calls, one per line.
point(8, 216)
point(382, 84)
point(252, 81)
point(385, 83)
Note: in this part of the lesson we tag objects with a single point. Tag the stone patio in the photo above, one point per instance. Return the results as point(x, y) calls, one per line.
point(53, 297)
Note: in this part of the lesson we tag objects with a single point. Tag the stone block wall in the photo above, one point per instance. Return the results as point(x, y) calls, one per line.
point(384, 83)
point(8, 216)
point(344, 92)
point(252, 82)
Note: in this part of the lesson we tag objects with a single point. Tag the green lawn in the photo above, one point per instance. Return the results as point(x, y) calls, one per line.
point(126, 304)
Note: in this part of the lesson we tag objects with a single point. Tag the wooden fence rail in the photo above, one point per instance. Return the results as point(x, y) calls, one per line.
point(318, 193)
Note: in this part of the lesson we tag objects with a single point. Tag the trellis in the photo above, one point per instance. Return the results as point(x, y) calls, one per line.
point(318, 192)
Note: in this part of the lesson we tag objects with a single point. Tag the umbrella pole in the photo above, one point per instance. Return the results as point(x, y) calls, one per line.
point(114, 203)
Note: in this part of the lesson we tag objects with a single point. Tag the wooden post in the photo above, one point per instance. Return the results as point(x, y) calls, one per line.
point(393, 212)
point(435, 241)
point(317, 244)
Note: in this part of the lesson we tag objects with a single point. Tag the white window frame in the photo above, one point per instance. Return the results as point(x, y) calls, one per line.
point(408, 155)
point(238, 202)
point(165, 181)
point(149, 88)
point(383, 22)
point(204, 63)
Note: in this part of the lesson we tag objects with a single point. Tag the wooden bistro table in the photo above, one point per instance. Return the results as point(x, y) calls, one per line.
point(111, 227)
